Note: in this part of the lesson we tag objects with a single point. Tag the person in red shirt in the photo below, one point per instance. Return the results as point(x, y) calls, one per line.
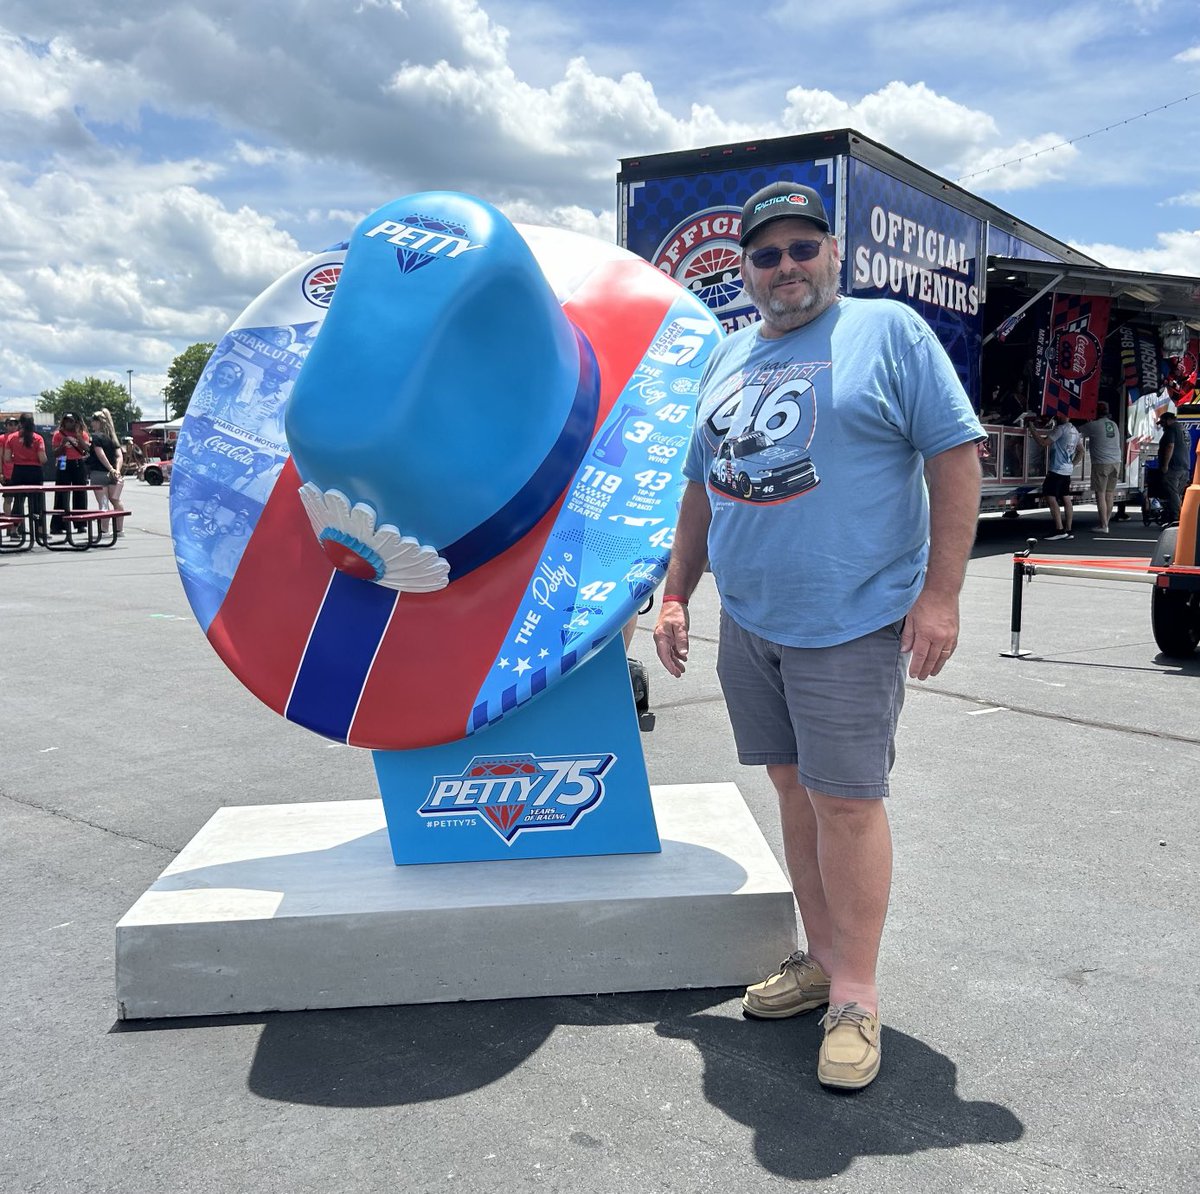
point(71, 444)
point(10, 427)
point(25, 452)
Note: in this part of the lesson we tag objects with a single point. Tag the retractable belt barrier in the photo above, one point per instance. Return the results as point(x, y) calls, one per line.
point(1025, 568)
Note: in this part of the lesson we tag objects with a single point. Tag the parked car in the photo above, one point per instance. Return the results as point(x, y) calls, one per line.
point(155, 472)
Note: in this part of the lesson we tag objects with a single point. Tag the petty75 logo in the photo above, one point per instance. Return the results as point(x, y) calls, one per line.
point(515, 793)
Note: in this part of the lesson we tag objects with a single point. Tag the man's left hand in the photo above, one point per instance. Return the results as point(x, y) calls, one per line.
point(931, 634)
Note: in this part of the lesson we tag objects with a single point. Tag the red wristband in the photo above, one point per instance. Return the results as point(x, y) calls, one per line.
point(674, 597)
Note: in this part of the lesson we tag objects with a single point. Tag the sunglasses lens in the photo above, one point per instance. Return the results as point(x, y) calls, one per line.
point(804, 250)
point(798, 250)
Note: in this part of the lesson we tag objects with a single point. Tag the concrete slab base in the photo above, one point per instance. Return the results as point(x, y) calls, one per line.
point(284, 907)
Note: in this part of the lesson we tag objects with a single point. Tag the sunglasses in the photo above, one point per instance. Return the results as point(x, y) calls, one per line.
point(798, 250)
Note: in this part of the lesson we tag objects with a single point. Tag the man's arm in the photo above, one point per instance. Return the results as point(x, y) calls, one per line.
point(689, 555)
point(931, 629)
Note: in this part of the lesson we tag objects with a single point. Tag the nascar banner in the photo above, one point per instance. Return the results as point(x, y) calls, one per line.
point(1139, 359)
point(1071, 352)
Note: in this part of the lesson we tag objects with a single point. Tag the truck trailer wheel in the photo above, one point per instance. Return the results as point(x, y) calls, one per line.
point(1175, 617)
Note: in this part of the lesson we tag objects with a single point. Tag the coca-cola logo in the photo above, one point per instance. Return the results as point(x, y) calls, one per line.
point(238, 453)
point(1077, 356)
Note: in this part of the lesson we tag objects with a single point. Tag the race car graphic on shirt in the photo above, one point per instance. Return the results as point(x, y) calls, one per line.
point(763, 424)
point(752, 466)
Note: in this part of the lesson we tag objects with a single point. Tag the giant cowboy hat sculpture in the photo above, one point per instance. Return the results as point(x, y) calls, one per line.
point(480, 476)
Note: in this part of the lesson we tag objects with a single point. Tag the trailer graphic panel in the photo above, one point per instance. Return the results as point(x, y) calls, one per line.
point(904, 244)
point(688, 227)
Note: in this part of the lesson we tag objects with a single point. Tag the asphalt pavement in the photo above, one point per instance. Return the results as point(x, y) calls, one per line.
point(1039, 969)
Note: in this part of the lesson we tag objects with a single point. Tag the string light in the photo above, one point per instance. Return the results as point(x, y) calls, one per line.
point(1083, 137)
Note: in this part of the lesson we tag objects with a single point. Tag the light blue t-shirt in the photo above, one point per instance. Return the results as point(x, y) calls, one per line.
point(1063, 441)
point(812, 448)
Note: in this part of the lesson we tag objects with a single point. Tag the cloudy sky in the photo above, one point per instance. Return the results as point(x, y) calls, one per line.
point(161, 164)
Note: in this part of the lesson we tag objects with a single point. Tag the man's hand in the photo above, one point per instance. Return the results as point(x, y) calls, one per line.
point(671, 637)
point(931, 634)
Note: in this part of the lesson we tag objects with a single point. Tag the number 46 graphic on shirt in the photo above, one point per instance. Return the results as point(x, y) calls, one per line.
point(785, 399)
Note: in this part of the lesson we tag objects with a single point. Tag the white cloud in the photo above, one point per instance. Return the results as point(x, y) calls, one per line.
point(1174, 253)
point(910, 118)
point(1192, 54)
point(309, 116)
point(1023, 164)
point(1187, 199)
point(116, 266)
point(939, 133)
point(574, 219)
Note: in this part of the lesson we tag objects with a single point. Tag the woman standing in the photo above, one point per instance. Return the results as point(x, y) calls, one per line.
point(26, 452)
point(70, 445)
point(104, 466)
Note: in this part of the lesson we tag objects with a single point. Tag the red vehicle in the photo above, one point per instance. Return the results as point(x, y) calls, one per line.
point(155, 472)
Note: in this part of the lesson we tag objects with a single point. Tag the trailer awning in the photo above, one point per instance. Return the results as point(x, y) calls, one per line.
point(1168, 296)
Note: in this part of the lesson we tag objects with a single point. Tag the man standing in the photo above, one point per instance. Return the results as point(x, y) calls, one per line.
point(816, 432)
point(1174, 462)
point(1104, 444)
point(1061, 441)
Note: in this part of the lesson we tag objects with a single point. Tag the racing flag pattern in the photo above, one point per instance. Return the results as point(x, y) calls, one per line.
point(1072, 351)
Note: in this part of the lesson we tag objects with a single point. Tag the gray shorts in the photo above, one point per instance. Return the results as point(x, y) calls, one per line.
point(830, 711)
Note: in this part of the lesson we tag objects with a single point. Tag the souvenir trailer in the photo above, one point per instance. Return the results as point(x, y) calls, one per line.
point(1030, 323)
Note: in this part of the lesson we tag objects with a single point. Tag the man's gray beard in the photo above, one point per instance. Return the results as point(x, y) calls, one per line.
point(796, 314)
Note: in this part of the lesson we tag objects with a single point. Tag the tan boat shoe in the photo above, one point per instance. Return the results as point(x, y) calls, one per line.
point(850, 1054)
point(799, 985)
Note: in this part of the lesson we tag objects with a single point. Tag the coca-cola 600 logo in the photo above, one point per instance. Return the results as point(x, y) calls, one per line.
point(1076, 356)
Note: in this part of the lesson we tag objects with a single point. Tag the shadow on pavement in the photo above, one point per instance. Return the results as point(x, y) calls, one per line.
point(759, 1074)
point(1004, 536)
point(763, 1074)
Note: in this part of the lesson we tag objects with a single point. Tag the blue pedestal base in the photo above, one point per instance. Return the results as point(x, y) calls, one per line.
point(562, 777)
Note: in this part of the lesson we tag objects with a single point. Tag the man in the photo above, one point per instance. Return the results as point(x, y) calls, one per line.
point(815, 432)
point(1103, 438)
point(1062, 443)
point(1174, 462)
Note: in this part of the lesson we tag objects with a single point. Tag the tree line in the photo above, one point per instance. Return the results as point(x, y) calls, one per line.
point(84, 396)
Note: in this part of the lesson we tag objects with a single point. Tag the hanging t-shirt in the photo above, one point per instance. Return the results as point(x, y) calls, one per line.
point(812, 449)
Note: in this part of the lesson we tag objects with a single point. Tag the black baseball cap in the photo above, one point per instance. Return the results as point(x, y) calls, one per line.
point(779, 201)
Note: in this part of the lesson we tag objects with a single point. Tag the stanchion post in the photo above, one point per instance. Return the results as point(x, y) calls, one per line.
point(1021, 569)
